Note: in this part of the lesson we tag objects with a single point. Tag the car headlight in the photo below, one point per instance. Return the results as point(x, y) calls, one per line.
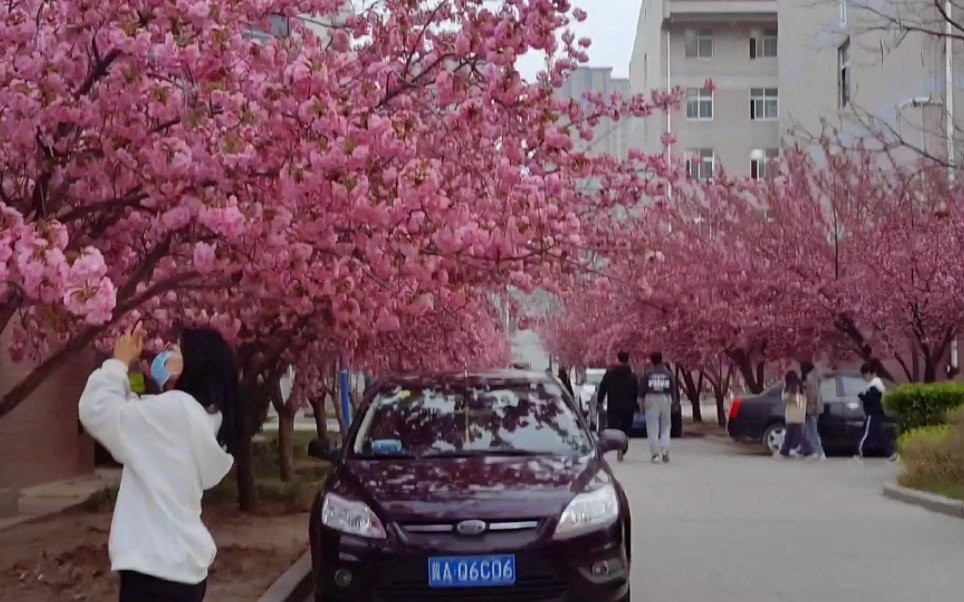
point(588, 511)
point(347, 516)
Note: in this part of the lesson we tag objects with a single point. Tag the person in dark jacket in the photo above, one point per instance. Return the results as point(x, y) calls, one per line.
point(620, 385)
point(565, 380)
point(873, 401)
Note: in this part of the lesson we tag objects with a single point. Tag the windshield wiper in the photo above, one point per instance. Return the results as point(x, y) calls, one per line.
point(390, 456)
point(474, 453)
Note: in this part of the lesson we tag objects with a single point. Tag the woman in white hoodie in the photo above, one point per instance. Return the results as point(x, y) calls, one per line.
point(173, 446)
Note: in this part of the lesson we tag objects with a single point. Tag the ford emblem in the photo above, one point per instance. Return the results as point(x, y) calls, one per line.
point(470, 527)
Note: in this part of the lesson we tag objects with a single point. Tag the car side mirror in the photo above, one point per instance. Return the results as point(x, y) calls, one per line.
point(319, 450)
point(612, 440)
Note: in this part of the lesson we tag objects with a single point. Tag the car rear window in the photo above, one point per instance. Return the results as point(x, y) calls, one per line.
point(505, 418)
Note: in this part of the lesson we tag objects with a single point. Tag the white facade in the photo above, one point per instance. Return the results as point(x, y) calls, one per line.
point(732, 124)
point(791, 70)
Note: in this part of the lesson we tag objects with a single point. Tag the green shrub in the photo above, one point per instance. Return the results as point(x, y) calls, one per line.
point(915, 406)
point(934, 458)
point(955, 417)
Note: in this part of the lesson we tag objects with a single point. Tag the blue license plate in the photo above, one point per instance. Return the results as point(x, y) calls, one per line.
point(472, 571)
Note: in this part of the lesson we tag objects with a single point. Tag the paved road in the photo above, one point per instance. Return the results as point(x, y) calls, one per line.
point(721, 525)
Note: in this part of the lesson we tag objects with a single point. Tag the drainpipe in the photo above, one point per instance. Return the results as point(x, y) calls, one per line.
point(949, 110)
point(669, 115)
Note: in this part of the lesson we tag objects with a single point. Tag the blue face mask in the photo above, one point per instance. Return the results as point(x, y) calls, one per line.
point(159, 371)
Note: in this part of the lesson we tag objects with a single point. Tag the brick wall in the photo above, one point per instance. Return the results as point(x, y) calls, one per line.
point(41, 439)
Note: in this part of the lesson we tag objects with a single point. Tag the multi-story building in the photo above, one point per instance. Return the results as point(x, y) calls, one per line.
point(792, 70)
point(732, 124)
point(864, 69)
point(610, 137)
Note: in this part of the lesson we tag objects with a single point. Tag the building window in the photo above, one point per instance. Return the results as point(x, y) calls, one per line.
point(764, 46)
point(701, 163)
point(699, 44)
point(764, 104)
point(843, 74)
point(760, 162)
point(699, 104)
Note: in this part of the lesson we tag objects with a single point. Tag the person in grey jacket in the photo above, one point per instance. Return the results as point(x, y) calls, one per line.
point(658, 391)
point(815, 406)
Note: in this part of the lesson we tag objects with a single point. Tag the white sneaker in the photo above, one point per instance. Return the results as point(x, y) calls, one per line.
point(795, 454)
point(856, 460)
point(657, 460)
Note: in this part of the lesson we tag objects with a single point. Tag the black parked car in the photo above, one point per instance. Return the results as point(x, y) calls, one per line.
point(471, 487)
point(759, 418)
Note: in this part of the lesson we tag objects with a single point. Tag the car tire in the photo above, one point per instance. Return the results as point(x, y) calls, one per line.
point(773, 436)
point(628, 595)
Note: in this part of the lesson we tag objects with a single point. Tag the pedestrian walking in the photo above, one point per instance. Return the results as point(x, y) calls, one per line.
point(815, 407)
point(872, 398)
point(564, 378)
point(620, 385)
point(173, 446)
point(659, 392)
point(795, 416)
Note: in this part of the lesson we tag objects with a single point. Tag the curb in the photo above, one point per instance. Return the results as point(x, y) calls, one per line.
point(928, 501)
point(292, 586)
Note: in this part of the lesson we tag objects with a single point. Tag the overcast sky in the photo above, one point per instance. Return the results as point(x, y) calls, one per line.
point(611, 26)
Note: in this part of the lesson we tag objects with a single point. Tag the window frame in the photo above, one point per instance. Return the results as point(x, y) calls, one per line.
point(764, 98)
point(758, 45)
point(699, 153)
point(692, 43)
point(703, 95)
point(763, 162)
point(844, 75)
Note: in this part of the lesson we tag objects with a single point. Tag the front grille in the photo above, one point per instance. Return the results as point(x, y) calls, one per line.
point(407, 581)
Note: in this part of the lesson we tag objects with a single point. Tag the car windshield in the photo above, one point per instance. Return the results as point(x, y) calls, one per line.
point(466, 420)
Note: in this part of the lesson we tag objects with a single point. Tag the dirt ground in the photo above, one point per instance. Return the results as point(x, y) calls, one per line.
point(64, 557)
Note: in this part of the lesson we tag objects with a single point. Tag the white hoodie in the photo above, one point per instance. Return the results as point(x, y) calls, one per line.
point(167, 444)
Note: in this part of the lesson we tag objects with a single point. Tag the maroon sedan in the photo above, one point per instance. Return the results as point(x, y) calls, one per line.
point(479, 487)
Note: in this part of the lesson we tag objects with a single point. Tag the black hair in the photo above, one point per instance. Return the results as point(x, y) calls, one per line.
point(871, 367)
point(806, 368)
point(210, 376)
point(623, 357)
point(792, 383)
point(656, 357)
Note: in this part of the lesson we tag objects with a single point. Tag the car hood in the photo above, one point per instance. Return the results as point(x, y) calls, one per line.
point(485, 488)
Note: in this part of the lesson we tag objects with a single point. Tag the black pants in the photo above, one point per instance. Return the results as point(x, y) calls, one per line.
point(875, 437)
point(138, 587)
point(621, 420)
point(796, 437)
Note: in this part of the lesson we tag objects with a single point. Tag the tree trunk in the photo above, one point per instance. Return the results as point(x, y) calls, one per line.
point(321, 414)
point(286, 431)
point(720, 406)
point(286, 444)
point(752, 378)
point(692, 389)
point(244, 471)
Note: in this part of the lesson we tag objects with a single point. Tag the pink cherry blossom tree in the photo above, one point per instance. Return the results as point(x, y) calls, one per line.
point(159, 164)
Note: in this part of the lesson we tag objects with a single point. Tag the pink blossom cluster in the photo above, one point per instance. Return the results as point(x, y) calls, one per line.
point(841, 254)
point(368, 190)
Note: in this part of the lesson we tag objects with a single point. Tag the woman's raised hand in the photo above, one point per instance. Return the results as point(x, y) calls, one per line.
point(129, 345)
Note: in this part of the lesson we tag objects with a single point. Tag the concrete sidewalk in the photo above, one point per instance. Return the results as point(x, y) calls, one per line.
point(51, 498)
